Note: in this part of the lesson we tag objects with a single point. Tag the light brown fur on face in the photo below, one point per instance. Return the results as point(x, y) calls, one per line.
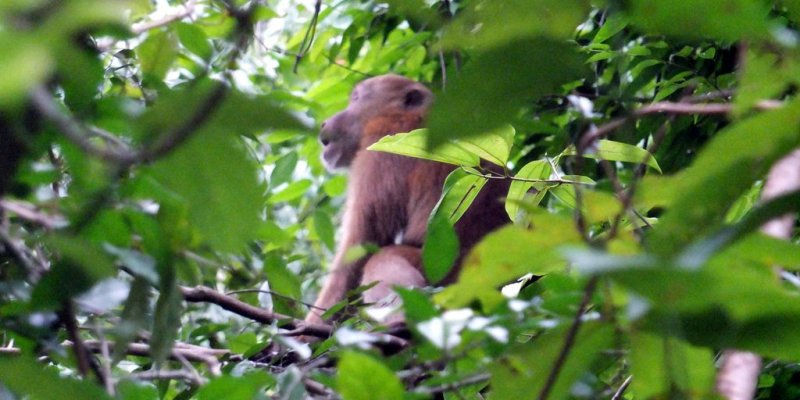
point(391, 196)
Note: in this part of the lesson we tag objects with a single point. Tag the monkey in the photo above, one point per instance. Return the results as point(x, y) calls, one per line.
point(390, 197)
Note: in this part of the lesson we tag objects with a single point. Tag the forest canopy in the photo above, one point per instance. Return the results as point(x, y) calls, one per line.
point(166, 221)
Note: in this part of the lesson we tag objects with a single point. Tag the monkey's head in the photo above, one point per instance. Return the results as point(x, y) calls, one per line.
point(379, 106)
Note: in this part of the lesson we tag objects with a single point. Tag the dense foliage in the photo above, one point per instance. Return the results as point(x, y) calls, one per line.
point(165, 218)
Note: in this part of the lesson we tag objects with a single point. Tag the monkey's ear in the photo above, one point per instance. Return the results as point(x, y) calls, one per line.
point(414, 98)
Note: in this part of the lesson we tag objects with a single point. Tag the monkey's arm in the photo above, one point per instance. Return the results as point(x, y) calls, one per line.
point(344, 274)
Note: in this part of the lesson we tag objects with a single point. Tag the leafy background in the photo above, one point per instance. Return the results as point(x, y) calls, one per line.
point(165, 218)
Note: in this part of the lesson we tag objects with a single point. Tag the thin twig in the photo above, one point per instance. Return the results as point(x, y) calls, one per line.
point(179, 374)
point(470, 380)
point(622, 388)
point(308, 39)
point(187, 10)
point(569, 340)
point(271, 293)
point(530, 180)
point(30, 213)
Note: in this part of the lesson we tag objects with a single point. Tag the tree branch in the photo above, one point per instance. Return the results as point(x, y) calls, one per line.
point(569, 340)
point(204, 294)
point(672, 108)
point(181, 13)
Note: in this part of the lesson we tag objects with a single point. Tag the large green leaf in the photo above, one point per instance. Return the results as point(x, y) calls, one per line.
point(618, 151)
point(663, 365)
point(248, 386)
point(494, 146)
point(362, 377)
point(707, 19)
point(508, 254)
point(24, 64)
point(441, 248)
point(722, 306)
point(216, 178)
point(533, 170)
point(460, 190)
point(27, 377)
point(490, 23)
point(414, 144)
point(157, 54)
point(497, 83)
point(724, 169)
point(80, 265)
point(525, 371)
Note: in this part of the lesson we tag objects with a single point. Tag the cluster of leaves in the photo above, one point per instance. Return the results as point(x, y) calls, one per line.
point(149, 146)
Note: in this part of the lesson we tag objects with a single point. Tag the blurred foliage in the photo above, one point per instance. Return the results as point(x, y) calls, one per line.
point(148, 145)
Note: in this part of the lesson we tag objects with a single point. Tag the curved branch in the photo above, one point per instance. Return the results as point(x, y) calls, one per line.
point(202, 294)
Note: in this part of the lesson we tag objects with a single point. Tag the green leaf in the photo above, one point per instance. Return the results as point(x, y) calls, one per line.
point(414, 144)
point(441, 248)
point(157, 54)
point(733, 20)
point(566, 191)
point(23, 65)
point(498, 83)
point(523, 373)
point(766, 251)
point(27, 377)
point(291, 192)
point(166, 320)
point(726, 305)
point(539, 169)
point(617, 151)
point(283, 282)
point(248, 386)
point(460, 190)
point(417, 304)
point(284, 168)
point(510, 253)
point(663, 365)
point(362, 377)
point(708, 188)
point(494, 146)
point(501, 22)
point(80, 265)
point(217, 179)
point(323, 226)
point(194, 39)
point(613, 24)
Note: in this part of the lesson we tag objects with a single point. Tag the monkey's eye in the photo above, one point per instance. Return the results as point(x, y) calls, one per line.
point(413, 98)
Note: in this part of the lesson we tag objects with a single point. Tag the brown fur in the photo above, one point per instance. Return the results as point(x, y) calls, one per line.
point(391, 196)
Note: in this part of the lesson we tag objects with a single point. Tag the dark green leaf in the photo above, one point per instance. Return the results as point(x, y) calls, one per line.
point(362, 377)
point(249, 386)
point(522, 374)
point(497, 83)
point(441, 248)
point(217, 179)
point(733, 20)
point(27, 377)
point(510, 253)
point(663, 365)
point(323, 225)
point(460, 190)
point(284, 168)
